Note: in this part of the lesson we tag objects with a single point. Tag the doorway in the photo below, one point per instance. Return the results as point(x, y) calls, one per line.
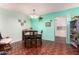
point(60, 29)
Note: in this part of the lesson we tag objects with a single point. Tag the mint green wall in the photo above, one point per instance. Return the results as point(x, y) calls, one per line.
point(49, 32)
point(68, 13)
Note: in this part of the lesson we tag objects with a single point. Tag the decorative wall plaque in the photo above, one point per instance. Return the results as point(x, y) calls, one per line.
point(48, 24)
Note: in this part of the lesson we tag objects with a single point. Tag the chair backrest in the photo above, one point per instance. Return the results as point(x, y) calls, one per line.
point(41, 31)
point(0, 36)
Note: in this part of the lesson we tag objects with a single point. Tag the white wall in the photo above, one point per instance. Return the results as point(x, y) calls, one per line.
point(9, 25)
point(60, 21)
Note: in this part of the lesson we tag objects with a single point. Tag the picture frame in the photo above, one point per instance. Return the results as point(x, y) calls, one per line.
point(48, 24)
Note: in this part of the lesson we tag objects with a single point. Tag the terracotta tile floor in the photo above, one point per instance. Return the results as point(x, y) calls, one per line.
point(48, 48)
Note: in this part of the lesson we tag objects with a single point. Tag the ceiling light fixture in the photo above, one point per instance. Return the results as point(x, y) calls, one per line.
point(34, 15)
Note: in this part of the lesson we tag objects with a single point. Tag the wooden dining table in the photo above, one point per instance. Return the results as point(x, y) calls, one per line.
point(29, 37)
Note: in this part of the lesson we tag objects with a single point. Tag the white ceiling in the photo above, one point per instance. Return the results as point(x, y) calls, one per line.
point(41, 8)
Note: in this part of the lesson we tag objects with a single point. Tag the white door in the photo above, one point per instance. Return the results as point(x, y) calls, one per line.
point(60, 26)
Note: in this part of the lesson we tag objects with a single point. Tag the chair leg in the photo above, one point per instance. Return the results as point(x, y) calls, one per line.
point(40, 42)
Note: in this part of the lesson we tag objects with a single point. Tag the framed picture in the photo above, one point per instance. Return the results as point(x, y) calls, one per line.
point(61, 27)
point(48, 24)
point(19, 20)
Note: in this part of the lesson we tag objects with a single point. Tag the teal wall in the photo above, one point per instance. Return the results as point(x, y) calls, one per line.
point(49, 32)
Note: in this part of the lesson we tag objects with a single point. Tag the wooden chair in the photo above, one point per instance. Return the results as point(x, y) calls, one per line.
point(39, 39)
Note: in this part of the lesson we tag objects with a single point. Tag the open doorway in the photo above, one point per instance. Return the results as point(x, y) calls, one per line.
point(60, 29)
